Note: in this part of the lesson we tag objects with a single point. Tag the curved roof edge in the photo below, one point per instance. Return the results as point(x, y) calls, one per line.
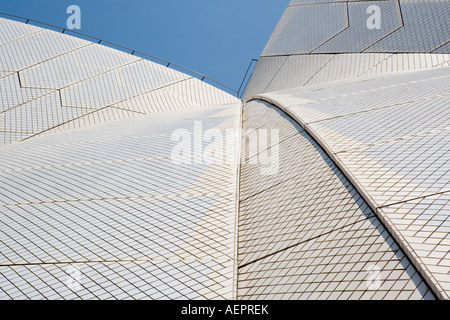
point(391, 228)
point(124, 49)
point(108, 83)
point(91, 110)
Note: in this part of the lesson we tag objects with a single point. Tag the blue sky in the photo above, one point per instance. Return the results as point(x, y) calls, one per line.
point(217, 38)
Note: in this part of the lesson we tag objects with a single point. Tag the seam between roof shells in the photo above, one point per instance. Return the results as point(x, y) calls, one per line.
point(412, 256)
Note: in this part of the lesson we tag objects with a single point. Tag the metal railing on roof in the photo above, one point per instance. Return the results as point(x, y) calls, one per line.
point(243, 87)
point(174, 66)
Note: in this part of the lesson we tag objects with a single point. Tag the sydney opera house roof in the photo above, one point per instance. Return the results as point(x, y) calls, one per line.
point(121, 178)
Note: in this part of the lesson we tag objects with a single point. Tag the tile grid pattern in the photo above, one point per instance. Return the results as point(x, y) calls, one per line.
point(304, 232)
point(406, 26)
point(92, 204)
point(414, 35)
point(284, 72)
point(132, 235)
point(391, 135)
point(53, 84)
